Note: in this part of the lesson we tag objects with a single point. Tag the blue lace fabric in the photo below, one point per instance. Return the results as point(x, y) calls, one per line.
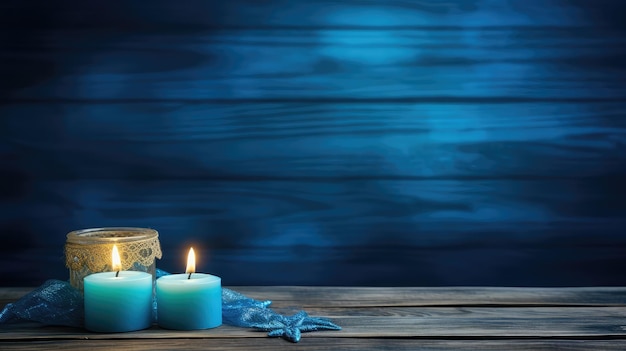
point(56, 302)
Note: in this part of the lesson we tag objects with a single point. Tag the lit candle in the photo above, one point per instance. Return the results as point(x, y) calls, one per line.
point(118, 301)
point(189, 301)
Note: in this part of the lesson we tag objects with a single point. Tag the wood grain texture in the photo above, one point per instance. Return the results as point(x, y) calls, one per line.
point(336, 233)
point(200, 14)
point(359, 297)
point(369, 66)
point(443, 323)
point(312, 141)
point(374, 318)
point(365, 344)
point(374, 300)
point(465, 142)
point(499, 325)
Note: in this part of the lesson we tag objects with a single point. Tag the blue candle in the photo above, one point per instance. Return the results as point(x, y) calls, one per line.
point(118, 301)
point(189, 301)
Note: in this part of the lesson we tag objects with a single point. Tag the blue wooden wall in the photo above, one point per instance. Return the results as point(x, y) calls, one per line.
point(356, 142)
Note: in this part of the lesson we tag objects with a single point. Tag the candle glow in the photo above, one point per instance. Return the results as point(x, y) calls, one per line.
point(191, 263)
point(116, 262)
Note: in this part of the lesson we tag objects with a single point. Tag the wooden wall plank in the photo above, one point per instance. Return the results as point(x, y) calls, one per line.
point(337, 232)
point(466, 134)
point(199, 14)
point(331, 213)
point(367, 65)
point(311, 141)
point(501, 263)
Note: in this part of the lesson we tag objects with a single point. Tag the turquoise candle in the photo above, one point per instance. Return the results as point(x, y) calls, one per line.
point(189, 301)
point(118, 303)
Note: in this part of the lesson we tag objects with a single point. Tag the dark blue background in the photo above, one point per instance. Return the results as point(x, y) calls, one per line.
point(371, 142)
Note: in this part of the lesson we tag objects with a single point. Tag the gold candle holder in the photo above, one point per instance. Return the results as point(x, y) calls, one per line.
point(88, 251)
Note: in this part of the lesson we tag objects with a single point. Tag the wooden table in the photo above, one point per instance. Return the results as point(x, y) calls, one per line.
point(451, 318)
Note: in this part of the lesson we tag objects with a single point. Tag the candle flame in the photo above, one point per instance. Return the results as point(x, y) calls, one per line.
point(116, 262)
point(191, 262)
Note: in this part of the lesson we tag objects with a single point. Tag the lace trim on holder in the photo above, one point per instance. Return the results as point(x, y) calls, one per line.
point(97, 257)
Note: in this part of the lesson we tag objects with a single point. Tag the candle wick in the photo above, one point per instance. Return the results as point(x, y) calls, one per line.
point(189, 277)
point(117, 273)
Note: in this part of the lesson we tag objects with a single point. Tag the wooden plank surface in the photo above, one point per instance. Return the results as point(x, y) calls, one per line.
point(463, 322)
point(358, 344)
point(409, 297)
point(430, 328)
point(485, 318)
point(337, 297)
